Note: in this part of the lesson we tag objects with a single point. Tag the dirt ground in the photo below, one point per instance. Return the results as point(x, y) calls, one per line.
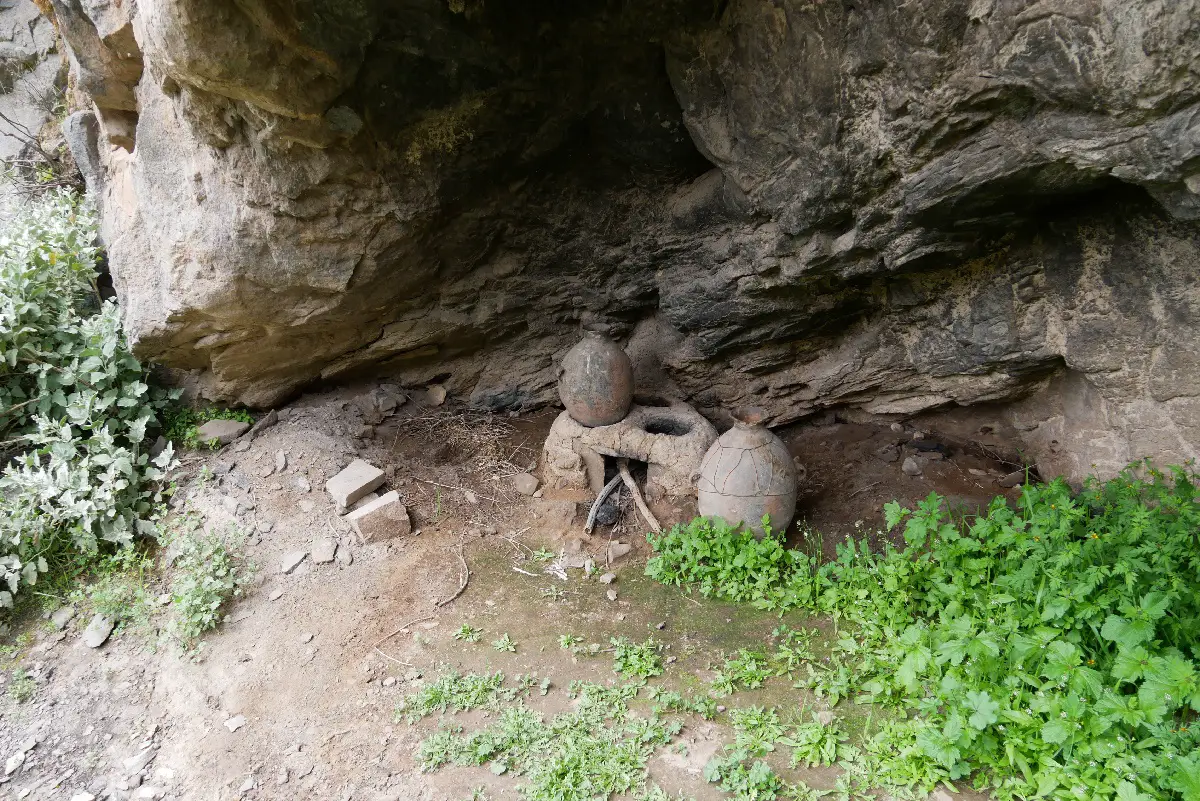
point(293, 697)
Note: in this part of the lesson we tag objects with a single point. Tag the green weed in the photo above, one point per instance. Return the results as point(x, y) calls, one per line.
point(21, 686)
point(1045, 650)
point(208, 571)
point(633, 660)
point(468, 633)
point(180, 422)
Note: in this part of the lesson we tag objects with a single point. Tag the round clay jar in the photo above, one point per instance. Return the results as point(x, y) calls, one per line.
point(748, 473)
point(596, 382)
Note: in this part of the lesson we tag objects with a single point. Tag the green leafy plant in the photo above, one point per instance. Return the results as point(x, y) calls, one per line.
point(21, 686)
point(505, 643)
point(595, 750)
point(815, 742)
point(180, 422)
point(568, 641)
point(208, 571)
point(75, 405)
point(468, 633)
point(1048, 649)
point(745, 671)
point(118, 586)
point(634, 660)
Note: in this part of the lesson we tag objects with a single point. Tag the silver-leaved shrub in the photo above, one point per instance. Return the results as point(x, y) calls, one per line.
point(74, 402)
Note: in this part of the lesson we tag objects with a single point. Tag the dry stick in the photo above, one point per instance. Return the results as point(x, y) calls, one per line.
point(604, 493)
point(394, 659)
point(864, 489)
point(453, 487)
point(623, 466)
point(466, 577)
point(402, 628)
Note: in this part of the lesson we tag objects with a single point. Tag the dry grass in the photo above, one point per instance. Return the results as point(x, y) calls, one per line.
point(481, 438)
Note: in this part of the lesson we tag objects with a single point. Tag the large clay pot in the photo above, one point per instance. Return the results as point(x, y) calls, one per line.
point(596, 382)
point(748, 473)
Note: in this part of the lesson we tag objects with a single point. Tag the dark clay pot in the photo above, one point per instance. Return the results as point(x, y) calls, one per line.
point(748, 473)
point(596, 382)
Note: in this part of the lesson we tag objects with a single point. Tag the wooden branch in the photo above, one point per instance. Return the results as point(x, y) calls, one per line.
point(623, 466)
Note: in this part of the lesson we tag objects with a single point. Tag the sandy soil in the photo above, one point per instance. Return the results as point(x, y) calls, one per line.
point(309, 662)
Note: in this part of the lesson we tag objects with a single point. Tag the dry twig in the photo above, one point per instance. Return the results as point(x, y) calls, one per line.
point(623, 466)
point(466, 576)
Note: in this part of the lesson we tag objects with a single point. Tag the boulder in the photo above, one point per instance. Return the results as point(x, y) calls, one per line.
point(882, 209)
point(221, 431)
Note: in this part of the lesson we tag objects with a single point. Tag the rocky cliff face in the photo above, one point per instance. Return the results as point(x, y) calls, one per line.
point(881, 208)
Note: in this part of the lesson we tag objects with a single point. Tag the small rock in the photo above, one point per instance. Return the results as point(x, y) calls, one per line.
point(241, 446)
point(307, 637)
point(354, 482)
point(282, 778)
point(61, 617)
point(164, 599)
point(291, 561)
point(85, 796)
point(389, 681)
point(525, 484)
point(275, 595)
point(323, 551)
point(265, 526)
point(268, 420)
point(281, 461)
point(1013, 479)
point(345, 556)
point(618, 549)
point(825, 717)
point(164, 775)
point(889, 453)
point(223, 431)
point(574, 561)
point(608, 578)
point(471, 497)
point(302, 484)
point(370, 497)
point(149, 791)
point(918, 435)
point(720, 707)
point(98, 631)
point(611, 595)
point(236, 722)
point(897, 428)
point(15, 761)
point(247, 785)
point(138, 762)
point(435, 394)
point(28, 745)
point(539, 493)
point(910, 466)
point(382, 519)
point(976, 471)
